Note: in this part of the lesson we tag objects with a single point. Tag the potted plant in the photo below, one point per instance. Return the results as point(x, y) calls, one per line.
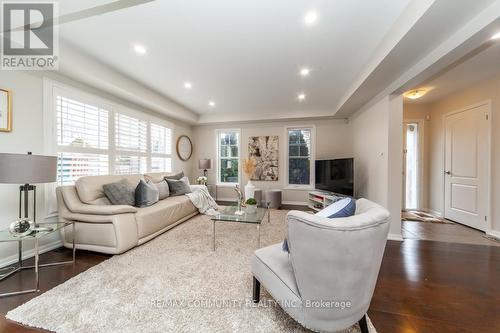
point(251, 204)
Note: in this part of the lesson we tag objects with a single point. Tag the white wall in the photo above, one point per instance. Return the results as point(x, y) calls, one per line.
point(333, 140)
point(27, 135)
point(377, 147)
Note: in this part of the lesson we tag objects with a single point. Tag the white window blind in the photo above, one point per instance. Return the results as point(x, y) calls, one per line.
point(96, 138)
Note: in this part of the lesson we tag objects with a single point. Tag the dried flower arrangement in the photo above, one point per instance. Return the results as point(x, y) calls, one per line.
point(248, 166)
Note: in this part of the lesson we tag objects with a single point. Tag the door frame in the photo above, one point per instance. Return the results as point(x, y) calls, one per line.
point(488, 104)
point(421, 151)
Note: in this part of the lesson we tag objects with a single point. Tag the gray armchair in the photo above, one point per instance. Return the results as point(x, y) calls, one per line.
point(327, 280)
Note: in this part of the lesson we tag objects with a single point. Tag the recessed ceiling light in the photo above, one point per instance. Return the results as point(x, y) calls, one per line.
point(301, 96)
point(211, 104)
point(414, 94)
point(139, 49)
point(305, 71)
point(310, 17)
point(188, 85)
point(496, 36)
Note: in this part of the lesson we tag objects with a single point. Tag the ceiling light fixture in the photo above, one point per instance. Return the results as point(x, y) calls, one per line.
point(414, 94)
point(496, 36)
point(211, 104)
point(310, 17)
point(301, 96)
point(139, 49)
point(188, 85)
point(305, 71)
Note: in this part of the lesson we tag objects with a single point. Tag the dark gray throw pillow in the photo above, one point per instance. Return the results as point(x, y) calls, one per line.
point(177, 187)
point(176, 176)
point(120, 193)
point(163, 189)
point(146, 194)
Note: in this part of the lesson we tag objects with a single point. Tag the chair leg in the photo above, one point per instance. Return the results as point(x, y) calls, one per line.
point(363, 325)
point(256, 290)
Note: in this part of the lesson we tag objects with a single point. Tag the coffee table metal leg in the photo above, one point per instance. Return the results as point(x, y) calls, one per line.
point(37, 287)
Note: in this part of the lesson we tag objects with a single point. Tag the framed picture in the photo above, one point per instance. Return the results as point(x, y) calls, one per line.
point(5, 110)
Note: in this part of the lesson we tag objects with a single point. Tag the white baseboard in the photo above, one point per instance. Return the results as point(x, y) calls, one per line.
point(395, 237)
point(30, 253)
point(494, 233)
point(295, 203)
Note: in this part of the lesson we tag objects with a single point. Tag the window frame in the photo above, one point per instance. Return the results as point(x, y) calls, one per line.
point(312, 158)
point(52, 89)
point(218, 157)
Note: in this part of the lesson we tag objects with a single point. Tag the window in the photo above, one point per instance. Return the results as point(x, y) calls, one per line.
point(228, 156)
point(99, 138)
point(300, 149)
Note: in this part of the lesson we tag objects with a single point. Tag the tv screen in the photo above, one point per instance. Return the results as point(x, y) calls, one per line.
point(335, 176)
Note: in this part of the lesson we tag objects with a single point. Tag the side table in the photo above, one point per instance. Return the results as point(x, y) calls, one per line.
point(44, 230)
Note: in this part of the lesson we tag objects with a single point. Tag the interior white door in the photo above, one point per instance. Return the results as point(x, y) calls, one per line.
point(467, 149)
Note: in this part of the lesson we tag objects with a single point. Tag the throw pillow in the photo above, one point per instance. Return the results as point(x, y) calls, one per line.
point(176, 176)
point(146, 194)
point(163, 189)
point(185, 179)
point(120, 193)
point(177, 187)
point(342, 208)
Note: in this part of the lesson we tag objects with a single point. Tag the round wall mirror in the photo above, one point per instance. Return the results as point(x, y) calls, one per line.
point(184, 147)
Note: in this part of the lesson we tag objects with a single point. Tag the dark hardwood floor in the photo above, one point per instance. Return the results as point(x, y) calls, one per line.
point(423, 286)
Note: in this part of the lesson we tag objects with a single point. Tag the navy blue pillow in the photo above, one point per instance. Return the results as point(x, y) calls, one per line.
point(347, 211)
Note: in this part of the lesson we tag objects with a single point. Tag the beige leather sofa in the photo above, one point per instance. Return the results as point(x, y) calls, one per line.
point(114, 229)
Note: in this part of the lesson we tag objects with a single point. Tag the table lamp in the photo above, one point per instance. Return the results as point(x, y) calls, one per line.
point(27, 169)
point(205, 164)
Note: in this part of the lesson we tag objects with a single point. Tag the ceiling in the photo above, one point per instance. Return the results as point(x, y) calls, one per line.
point(477, 67)
point(244, 55)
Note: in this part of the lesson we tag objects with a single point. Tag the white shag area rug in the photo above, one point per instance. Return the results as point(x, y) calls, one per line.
point(174, 283)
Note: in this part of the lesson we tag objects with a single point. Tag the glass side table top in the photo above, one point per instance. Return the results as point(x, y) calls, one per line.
point(46, 228)
point(228, 214)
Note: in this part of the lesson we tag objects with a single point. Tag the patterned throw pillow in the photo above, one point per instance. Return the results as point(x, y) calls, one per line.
point(146, 194)
point(120, 193)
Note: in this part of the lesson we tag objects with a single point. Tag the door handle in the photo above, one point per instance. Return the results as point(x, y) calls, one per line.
point(448, 172)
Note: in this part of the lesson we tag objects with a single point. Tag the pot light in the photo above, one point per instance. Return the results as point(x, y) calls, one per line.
point(414, 94)
point(310, 17)
point(305, 71)
point(496, 36)
point(188, 85)
point(211, 104)
point(139, 49)
point(301, 96)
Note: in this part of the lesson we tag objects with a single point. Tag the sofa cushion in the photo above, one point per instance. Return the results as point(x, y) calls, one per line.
point(120, 192)
point(178, 187)
point(160, 215)
point(157, 177)
point(90, 190)
point(146, 194)
point(163, 189)
point(176, 176)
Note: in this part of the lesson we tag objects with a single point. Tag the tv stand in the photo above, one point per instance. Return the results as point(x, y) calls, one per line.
point(317, 200)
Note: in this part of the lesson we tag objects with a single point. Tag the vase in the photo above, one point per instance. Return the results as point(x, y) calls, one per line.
point(251, 209)
point(249, 190)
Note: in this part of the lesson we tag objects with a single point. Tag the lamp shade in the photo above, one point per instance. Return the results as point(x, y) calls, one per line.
point(27, 168)
point(205, 164)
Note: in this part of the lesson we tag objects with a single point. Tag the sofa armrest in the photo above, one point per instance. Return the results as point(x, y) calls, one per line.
point(75, 205)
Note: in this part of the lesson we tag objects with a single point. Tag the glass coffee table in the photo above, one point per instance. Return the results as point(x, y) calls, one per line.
point(227, 214)
point(44, 230)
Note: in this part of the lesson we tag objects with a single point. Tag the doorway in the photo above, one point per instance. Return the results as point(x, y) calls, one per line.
point(412, 164)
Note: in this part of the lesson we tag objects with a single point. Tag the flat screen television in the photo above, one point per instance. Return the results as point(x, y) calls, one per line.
point(335, 175)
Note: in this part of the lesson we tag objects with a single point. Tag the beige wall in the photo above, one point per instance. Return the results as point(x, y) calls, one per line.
point(28, 135)
point(333, 140)
point(377, 138)
point(487, 90)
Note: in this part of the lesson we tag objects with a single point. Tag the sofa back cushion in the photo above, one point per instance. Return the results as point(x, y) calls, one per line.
point(90, 188)
point(157, 177)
